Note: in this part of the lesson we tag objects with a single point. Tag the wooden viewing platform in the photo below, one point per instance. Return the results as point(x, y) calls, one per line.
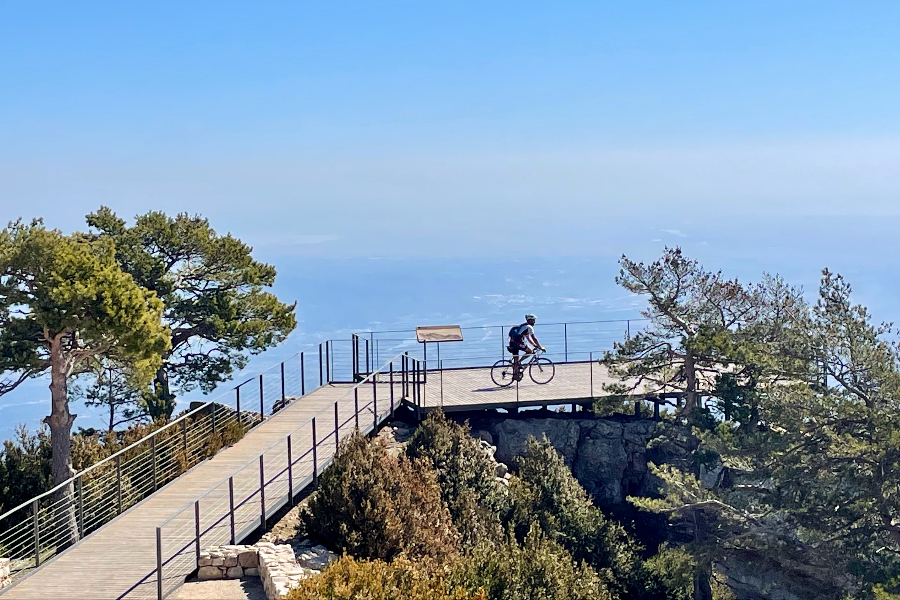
point(119, 560)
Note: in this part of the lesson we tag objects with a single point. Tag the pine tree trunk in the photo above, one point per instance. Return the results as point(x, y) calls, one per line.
point(690, 392)
point(64, 527)
point(164, 405)
point(702, 588)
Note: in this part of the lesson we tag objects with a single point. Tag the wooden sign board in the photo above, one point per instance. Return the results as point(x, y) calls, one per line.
point(439, 333)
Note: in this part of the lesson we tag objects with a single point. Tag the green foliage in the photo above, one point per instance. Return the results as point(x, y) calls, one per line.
point(536, 569)
point(214, 293)
point(702, 325)
point(401, 579)
point(67, 294)
point(547, 493)
point(24, 467)
point(465, 475)
point(374, 505)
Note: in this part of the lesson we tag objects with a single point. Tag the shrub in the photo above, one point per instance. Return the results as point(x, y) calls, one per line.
point(536, 569)
point(465, 475)
point(548, 494)
point(374, 505)
point(402, 579)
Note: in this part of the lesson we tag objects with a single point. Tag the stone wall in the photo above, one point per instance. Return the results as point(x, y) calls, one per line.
point(4, 573)
point(275, 564)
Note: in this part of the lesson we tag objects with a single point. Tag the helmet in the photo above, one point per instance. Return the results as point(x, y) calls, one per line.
point(530, 318)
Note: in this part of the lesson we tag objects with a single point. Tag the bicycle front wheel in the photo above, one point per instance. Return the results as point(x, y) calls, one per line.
point(542, 370)
point(503, 372)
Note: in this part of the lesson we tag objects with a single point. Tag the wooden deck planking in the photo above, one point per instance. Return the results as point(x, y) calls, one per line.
point(119, 560)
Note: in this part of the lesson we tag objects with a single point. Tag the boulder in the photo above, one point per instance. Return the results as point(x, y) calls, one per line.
point(209, 573)
point(234, 573)
point(248, 558)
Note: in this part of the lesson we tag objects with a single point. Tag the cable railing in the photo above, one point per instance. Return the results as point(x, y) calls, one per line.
point(565, 342)
point(246, 499)
point(39, 529)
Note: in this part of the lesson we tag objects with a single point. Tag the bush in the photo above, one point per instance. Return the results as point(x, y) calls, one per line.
point(546, 493)
point(465, 475)
point(373, 505)
point(402, 579)
point(537, 569)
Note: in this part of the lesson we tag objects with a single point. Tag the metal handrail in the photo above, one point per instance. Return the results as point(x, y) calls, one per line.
point(636, 319)
point(281, 440)
point(147, 437)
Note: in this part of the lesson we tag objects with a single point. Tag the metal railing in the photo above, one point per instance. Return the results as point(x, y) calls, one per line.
point(41, 528)
point(566, 342)
point(242, 502)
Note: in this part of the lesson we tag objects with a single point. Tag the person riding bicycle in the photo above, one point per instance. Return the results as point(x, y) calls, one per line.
point(519, 339)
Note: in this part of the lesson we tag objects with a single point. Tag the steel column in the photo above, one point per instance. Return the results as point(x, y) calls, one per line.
point(262, 492)
point(315, 456)
point(197, 529)
point(36, 509)
point(262, 405)
point(231, 505)
point(290, 473)
point(159, 565)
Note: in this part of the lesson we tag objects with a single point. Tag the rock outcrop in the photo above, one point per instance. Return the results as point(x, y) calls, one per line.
point(608, 457)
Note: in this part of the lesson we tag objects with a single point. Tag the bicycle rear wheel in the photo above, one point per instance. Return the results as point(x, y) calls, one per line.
point(541, 370)
point(503, 372)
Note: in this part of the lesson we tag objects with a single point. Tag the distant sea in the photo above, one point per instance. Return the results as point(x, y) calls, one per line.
point(336, 296)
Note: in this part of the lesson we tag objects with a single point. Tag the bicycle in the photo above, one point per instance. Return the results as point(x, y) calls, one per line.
point(540, 369)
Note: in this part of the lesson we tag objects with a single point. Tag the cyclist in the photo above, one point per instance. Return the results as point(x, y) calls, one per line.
point(519, 339)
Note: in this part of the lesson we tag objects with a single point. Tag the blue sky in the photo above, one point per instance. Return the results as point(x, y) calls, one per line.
point(392, 128)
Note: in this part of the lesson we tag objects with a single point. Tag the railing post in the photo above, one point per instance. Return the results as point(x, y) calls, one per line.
point(80, 488)
point(213, 406)
point(237, 401)
point(392, 388)
point(327, 361)
point(356, 406)
point(290, 473)
point(282, 381)
point(321, 382)
point(159, 564)
point(153, 460)
point(628, 329)
point(262, 405)
point(302, 375)
point(184, 440)
point(262, 492)
point(591, 363)
point(36, 509)
point(502, 342)
point(231, 506)
point(354, 356)
point(566, 341)
point(119, 482)
point(197, 529)
point(374, 403)
point(337, 435)
point(315, 456)
point(368, 368)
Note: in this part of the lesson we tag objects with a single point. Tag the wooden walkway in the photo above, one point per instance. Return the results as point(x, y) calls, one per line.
point(119, 560)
